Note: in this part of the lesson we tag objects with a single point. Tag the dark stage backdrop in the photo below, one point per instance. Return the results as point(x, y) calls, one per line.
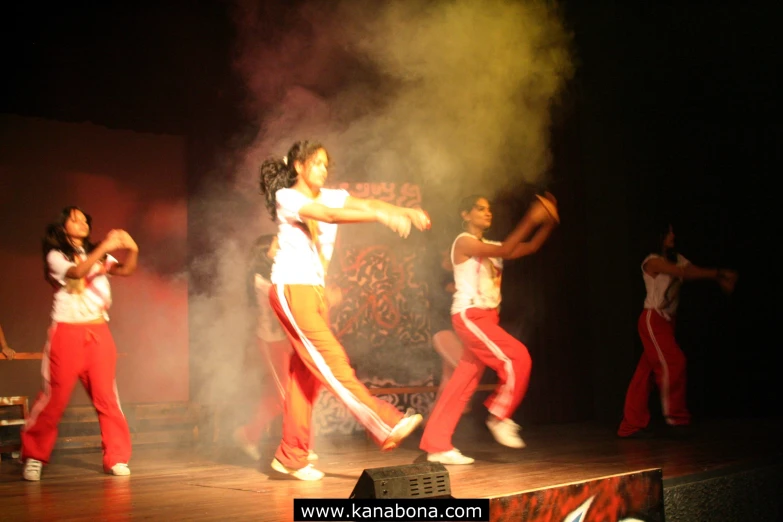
point(124, 179)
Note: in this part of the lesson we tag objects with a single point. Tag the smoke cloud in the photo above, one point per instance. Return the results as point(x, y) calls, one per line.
point(453, 95)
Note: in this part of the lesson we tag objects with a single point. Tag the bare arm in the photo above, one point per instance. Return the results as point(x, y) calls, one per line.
point(128, 266)
point(340, 216)
point(467, 246)
point(417, 216)
point(726, 279)
point(659, 265)
point(112, 242)
point(531, 247)
point(395, 218)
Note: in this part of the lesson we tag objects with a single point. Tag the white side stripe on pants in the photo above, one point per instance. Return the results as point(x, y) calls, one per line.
point(664, 368)
point(367, 417)
point(506, 392)
point(46, 386)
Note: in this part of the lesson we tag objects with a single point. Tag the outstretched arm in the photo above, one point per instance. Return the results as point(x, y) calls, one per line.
point(362, 211)
point(531, 247)
point(511, 248)
point(417, 216)
point(320, 212)
point(658, 265)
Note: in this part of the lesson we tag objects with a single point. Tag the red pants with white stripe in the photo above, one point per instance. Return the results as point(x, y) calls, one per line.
point(663, 361)
point(277, 356)
point(319, 359)
point(487, 344)
point(74, 352)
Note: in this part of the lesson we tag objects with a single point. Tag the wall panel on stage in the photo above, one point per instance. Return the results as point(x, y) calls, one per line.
point(124, 179)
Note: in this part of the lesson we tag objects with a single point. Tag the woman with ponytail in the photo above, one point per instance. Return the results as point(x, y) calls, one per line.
point(307, 216)
point(663, 272)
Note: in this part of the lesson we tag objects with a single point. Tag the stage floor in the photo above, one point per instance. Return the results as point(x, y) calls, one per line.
point(219, 483)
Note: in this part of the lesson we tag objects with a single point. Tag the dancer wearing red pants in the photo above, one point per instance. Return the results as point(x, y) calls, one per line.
point(275, 352)
point(662, 359)
point(307, 215)
point(444, 340)
point(478, 265)
point(80, 345)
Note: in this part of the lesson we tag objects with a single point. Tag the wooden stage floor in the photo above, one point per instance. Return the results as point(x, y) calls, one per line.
point(218, 483)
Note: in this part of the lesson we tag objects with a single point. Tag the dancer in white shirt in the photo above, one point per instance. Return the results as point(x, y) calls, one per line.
point(478, 266)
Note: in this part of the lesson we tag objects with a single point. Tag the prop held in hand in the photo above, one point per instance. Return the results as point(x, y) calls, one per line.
point(549, 203)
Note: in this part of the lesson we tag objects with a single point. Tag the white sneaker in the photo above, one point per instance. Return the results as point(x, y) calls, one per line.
point(506, 432)
point(405, 427)
point(306, 473)
point(120, 470)
point(453, 456)
point(311, 455)
point(32, 470)
point(247, 447)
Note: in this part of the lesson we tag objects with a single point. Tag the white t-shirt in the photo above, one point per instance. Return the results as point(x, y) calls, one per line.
point(80, 300)
point(299, 258)
point(477, 280)
point(269, 328)
point(656, 289)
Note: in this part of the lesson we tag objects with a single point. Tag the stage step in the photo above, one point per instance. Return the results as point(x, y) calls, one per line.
point(747, 491)
point(153, 423)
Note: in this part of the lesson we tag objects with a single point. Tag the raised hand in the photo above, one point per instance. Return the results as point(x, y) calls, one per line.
point(113, 240)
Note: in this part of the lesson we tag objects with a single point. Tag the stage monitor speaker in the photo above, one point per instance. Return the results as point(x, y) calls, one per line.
point(424, 480)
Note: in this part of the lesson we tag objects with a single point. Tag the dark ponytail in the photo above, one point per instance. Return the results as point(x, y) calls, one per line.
point(279, 173)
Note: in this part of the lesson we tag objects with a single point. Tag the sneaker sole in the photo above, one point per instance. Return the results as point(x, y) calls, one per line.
point(391, 444)
point(450, 463)
point(278, 466)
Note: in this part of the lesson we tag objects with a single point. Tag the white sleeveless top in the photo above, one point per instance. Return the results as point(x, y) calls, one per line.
point(477, 280)
point(657, 298)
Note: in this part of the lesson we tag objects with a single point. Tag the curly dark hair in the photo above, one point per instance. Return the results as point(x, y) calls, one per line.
point(466, 204)
point(55, 238)
point(278, 173)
